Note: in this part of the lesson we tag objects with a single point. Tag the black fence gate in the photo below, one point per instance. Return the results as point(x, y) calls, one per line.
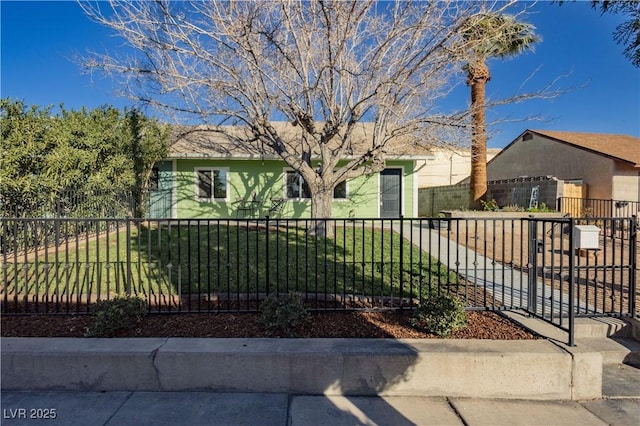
point(582, 267)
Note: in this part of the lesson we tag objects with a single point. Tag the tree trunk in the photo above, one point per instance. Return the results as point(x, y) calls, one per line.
point(321, 203)
point(477, 79)
point(133, 118)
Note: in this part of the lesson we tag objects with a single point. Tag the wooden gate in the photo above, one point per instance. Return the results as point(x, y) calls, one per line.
point(573, 199)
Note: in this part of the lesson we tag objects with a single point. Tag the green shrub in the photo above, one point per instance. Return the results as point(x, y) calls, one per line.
point(439, 313)
point(541, 208)
point(490, 206)
point(512, 208)
point(117, 314)
point(283, 314)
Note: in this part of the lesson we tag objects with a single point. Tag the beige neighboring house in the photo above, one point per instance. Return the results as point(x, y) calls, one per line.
point(604, 166)
point(447, 166)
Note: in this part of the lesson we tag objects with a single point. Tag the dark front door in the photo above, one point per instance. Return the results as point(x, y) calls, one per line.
point(390, 190)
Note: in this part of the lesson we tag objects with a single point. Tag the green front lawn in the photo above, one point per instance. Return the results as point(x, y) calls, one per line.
point(230, 258)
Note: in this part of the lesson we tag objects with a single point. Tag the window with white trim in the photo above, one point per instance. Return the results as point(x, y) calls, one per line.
point(211, 184)
point(296, 188)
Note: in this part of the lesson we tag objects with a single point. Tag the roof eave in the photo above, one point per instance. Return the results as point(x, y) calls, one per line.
point(191, 156)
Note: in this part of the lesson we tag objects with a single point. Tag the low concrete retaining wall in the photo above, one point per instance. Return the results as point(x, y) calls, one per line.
point(526, 369)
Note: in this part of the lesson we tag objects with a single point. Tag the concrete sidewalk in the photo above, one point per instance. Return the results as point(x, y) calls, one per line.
point(508, 285)
point(209, 408)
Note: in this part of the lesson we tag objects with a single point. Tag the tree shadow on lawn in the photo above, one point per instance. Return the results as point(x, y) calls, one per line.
point(225, 261)
point(223, 264)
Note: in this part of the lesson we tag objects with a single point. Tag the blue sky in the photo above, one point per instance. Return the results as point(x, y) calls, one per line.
point(38, 40)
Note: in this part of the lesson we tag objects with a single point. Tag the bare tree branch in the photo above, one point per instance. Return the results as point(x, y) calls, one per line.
point(325, 67)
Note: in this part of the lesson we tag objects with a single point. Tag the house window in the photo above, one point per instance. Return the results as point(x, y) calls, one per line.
point(340, 191)
point(211, 184)
point(297, 188)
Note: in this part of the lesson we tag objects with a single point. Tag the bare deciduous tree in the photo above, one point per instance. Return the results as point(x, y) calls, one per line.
point(325, 67)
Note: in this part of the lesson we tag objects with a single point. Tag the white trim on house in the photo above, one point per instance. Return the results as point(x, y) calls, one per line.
point(403, 205)
point(415, 180)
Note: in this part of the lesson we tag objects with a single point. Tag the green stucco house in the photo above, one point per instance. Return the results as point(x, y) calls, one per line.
point(210, 175)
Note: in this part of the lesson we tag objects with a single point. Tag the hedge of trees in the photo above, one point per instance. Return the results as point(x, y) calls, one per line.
point(74, 162)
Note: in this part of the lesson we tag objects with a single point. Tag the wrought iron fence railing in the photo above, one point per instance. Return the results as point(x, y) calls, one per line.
point(594, 207)
point(71, 203)
point(210, 265)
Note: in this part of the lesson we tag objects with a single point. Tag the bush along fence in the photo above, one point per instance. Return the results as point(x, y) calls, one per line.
point(553, 268)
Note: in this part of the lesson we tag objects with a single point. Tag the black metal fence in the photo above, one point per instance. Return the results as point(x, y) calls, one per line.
point(66, 265)
point(582, 267)
point(71, 204)
point(593, 207)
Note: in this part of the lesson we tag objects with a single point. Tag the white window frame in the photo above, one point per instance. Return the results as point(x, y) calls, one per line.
point(284, 188)
point(196, 182)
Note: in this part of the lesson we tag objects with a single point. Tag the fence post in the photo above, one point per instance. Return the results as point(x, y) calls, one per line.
point(572, 275)
point(127, 286)
point(633, 247)
point(401, 258)
point(532, 287)
point(611, 208)
point(56, 230)
point(267, 263)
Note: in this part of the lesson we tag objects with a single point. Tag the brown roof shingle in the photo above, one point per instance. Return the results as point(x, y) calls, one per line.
point(620, 147)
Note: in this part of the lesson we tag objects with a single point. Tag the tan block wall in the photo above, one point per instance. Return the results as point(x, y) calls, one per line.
point(447, 167)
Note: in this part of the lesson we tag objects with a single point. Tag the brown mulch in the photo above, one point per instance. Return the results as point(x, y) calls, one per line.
point(381, 324)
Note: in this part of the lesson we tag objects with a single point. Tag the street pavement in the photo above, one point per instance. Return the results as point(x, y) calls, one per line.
point(209, 408)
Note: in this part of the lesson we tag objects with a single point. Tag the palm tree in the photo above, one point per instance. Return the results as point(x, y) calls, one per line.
point(488, 36)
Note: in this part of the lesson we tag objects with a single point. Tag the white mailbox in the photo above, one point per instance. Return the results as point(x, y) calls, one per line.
point(586, 237)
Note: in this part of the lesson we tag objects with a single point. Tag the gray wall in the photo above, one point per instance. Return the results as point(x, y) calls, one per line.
point(432, 201)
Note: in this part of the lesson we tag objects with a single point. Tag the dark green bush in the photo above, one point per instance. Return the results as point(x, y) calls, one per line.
point(117, 314)
point(439, 313)
point(283, 314)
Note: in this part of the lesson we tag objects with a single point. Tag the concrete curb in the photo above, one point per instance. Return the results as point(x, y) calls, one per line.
point(525, 369)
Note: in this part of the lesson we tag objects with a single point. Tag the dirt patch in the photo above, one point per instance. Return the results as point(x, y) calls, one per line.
point(603, 277)
point(382, 324)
